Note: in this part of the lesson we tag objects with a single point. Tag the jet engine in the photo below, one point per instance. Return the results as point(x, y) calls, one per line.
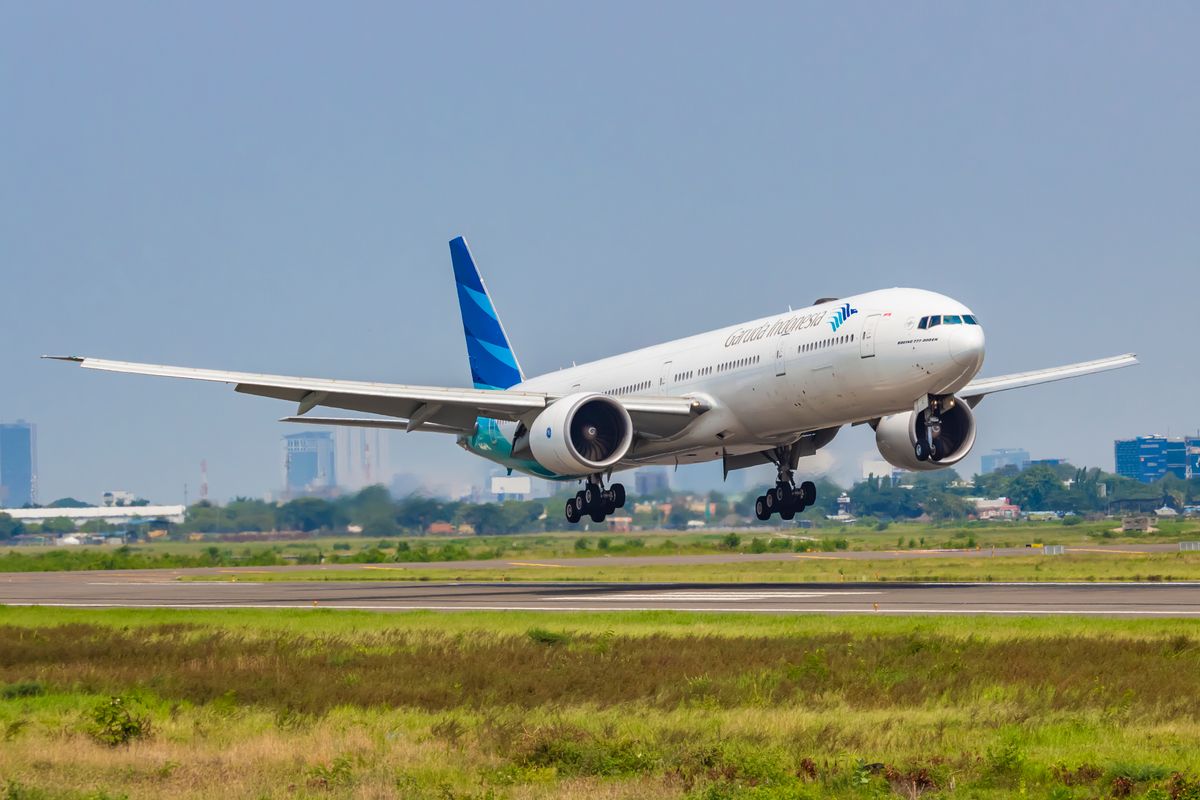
point(947, 436)
point(581, 434)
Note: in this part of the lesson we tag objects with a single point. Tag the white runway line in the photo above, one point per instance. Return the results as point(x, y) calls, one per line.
point(668, 595)
point(768, 609)
point(188, 584)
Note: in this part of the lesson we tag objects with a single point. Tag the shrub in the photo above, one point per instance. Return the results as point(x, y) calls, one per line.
point(543, 636)
point(581, 543)
point(341, 545)
point(571, 751)
point(731, 541)
point(114, 724)
point(448, 730)
point(1006, 759)
point(22, 689)
point(336, 773)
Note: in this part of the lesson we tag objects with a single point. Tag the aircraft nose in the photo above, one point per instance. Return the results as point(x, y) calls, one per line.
point(966, 345)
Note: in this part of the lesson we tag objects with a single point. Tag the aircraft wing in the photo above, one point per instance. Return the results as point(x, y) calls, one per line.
point(433, 408)
point(978, 388)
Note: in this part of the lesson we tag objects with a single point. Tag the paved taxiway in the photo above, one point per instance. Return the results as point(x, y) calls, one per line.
point(140, 589)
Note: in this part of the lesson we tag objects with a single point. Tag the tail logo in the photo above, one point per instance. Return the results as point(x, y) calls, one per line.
point(841, 315)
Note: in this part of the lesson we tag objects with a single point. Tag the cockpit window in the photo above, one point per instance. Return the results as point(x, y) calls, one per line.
point(924, 323)
point(935, 320)
point(952, 319)
point(970, 319)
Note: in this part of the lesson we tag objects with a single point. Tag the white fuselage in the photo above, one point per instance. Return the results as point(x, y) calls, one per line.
point(772, 379)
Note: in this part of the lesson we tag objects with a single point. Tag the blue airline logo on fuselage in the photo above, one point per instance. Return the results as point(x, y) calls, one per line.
point(841, 315)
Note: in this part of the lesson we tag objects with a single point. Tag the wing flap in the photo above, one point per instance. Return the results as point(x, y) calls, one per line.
point(455, 408)
point(387, 424)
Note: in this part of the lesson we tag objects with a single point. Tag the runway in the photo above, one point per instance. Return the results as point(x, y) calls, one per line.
point(140, 590)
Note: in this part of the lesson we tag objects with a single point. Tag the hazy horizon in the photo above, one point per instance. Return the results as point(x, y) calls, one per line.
point(271, 188)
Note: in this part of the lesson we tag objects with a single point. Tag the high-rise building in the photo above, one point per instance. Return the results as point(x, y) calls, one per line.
point(18, 464)
point(1192, 446)
point(308, 463)
point(1151, 458)
point(1004, 457)
point(651, 480)
point(362, 457)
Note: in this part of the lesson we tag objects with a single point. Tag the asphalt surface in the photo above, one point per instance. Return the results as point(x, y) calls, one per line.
point(157, 589)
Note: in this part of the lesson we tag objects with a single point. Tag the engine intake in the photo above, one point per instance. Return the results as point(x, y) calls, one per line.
point(952, 436)
point(581, 434)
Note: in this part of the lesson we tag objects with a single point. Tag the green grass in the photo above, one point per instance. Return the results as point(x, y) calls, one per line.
point(574, 545)
point(621, 705)
point(800, 568)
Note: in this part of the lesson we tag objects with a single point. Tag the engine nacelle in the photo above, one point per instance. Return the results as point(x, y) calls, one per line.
point(953, 436)
point(581, 434)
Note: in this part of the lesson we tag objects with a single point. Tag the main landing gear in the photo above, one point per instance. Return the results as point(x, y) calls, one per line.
point(787, 499)
point(595, 501)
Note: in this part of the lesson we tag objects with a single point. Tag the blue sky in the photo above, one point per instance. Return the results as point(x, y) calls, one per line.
point(271, 187)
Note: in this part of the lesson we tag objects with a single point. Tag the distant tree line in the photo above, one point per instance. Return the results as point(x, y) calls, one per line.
point(942, 495)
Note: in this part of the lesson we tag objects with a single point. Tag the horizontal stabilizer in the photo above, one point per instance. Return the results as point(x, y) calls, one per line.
point(387, 424)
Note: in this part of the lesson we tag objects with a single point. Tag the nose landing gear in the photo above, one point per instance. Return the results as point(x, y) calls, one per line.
point(927, 434)
point(595, 501)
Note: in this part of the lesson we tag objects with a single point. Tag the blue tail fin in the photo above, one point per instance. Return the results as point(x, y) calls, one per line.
point(493, 362)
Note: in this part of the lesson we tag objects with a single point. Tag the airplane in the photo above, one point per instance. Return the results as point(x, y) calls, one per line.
point(768, 391)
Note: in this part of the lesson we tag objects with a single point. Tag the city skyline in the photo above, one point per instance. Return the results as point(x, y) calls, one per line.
point(326, 464)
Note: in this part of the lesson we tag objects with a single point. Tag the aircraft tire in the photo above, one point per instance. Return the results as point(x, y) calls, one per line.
point(760, 509)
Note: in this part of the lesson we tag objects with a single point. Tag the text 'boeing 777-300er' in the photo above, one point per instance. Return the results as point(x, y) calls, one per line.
point(903, 361)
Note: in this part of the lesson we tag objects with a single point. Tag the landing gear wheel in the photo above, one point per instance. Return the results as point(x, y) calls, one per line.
point(808, 494)
point(580, 503)
point(921, 450)
point(760, 509)
point(769, 500)
point(783, 495)
point(935, 452)
point(789, 514)
point(597, 515)
point(591, 494)
point(618, 491)
point(572, 512)
point(609, 507)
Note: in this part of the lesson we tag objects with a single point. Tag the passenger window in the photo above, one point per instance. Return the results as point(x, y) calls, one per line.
point(951, 319)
